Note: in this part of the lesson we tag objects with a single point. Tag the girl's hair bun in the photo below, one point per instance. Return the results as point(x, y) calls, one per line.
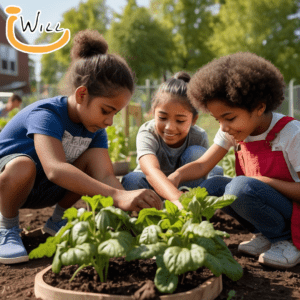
point(88, 43)
point(182, 76)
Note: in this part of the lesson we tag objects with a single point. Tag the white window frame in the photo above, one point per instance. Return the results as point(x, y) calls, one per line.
point(10, 55)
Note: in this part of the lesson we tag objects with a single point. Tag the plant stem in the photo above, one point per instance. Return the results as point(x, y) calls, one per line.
point(78, 270)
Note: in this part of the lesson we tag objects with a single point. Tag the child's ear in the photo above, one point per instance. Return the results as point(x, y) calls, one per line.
point(261, 109)
point(81, 94)
point(195, 120)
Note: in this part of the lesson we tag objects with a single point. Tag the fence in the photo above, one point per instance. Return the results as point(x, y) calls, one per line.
point(291, 104)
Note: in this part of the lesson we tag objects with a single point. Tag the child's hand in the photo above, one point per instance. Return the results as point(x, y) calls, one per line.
point(177, 202)
point(174, 178)
point(137, 200)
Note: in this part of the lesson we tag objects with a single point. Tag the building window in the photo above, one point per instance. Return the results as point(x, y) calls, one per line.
point(8, 60)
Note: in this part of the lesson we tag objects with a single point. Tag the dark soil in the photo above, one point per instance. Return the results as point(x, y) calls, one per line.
point(258, 282)
point(120, 281)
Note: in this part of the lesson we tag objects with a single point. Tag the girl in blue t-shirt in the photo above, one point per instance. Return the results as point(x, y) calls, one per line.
point(55, 150)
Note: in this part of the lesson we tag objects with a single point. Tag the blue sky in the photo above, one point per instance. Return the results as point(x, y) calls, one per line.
point(52, 11)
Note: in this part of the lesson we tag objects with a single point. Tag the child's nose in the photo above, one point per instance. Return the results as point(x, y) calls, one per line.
point(169, 125)
point(109, 121)
point(224, 126)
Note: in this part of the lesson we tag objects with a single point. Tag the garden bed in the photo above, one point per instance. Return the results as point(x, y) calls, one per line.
point(258, 282)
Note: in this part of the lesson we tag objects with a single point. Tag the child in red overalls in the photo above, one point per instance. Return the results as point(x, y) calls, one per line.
point(242, 91)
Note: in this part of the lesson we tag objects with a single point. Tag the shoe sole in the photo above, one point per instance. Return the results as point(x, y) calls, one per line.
point(278, 265)
point(254, 253)
point(14, 260)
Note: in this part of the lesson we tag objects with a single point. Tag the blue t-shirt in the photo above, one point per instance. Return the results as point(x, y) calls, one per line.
point(49, 117)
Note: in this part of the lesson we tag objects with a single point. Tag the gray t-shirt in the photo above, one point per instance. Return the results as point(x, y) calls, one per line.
point(149, 142)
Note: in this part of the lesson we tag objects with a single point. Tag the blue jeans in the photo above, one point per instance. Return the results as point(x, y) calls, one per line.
point(259, 207)
point(137, 180)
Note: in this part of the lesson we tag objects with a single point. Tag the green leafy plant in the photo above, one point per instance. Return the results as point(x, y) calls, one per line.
point(11, 114)
point(90, 238)
point(228, 163)
point(117, 143)
point(182, 242)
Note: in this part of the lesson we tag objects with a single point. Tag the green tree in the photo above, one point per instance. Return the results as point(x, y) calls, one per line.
point(92, 14)
point(265, 27)
point(189, 21)
point(142, 41)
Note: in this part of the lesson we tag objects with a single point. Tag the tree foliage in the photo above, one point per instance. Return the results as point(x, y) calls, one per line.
point(264, 27)
point(190, 24)
point(142, 41)
point(91, 14)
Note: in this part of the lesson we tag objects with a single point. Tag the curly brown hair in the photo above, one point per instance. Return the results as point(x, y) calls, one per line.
point(241, 80)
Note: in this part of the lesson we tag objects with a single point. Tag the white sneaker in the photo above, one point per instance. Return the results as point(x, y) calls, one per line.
point(283, 254)
point(257, 245)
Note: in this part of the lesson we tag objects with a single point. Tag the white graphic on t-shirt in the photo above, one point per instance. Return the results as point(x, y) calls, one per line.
point(74, 146)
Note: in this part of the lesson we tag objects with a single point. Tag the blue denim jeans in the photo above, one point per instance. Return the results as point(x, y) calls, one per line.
point(137, 180)
point(259, 207)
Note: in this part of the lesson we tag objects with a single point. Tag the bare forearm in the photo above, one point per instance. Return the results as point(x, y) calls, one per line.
point(163, 186)
point(191, 171)
point(74, 180)
point(112, 181)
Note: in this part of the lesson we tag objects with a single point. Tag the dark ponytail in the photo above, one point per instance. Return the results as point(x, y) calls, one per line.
point(103, 74)
point(177, 86)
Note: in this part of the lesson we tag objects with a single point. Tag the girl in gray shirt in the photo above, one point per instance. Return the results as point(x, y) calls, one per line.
point(169, 141)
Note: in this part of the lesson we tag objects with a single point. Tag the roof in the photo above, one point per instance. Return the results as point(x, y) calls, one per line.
point(17, 32)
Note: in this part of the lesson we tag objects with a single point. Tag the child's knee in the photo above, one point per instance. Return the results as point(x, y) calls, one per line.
point(241, 185)
point(192, 153)
point(21, 168)
point(133, 181)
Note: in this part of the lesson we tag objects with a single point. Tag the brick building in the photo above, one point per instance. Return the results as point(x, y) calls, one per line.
point(14, 65)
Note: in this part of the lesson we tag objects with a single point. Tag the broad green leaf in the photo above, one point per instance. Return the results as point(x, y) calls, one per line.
point(85, 216)
point(122, 215)
point(204, 229)
point(177, 226)
point(137, 228)
point(213, 264)
point(165, 282)
point(231, 268)
point(91, 201)
point(146, 251)
point(180, 260)
point(106, 219)
point(164, 224)
point(118, 245)
point(81, 254)
point(80, 233)
point(150, 235)
point(150, 212)
point(49, 247)
point(57, 264)
point(106, 201)
point(207, 243)
point(171, 208)
point(70, 214)
point(195, 207)
point(175, 241)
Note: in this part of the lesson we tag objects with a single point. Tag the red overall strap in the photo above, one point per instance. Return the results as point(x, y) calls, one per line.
point(278, 127)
